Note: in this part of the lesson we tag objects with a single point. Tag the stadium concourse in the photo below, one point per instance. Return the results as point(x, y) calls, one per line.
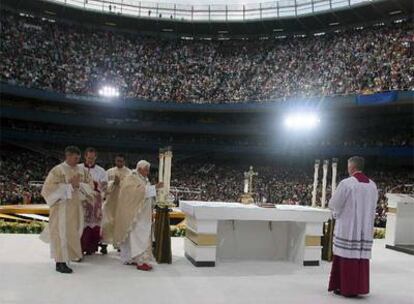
point(27, 276)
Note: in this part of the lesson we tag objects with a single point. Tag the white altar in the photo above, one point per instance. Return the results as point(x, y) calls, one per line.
point(219, 231)
point(399, 232)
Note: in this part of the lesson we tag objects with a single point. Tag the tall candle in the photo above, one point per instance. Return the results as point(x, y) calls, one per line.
point(161, 197)
point(315, 183)
point(334, 173)
point(167, 172)
point(324, 180)
point(161, 168)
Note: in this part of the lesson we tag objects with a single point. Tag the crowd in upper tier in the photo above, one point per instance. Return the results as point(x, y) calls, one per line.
point(76, 59)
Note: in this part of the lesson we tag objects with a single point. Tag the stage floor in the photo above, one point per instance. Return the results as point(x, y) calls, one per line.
point(27, 276)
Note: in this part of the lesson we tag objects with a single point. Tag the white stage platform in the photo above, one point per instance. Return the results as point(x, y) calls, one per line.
point(27, 276)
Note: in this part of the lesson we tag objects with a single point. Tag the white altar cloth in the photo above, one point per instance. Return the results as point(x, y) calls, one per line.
point(220, 230)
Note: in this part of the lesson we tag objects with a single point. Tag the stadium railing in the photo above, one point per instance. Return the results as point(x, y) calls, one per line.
point(213, 13)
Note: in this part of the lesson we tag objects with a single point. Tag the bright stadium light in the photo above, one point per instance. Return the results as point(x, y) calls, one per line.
point(302, 121)
point(108, 91)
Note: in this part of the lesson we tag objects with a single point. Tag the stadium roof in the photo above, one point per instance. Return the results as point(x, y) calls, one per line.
point(363, 13)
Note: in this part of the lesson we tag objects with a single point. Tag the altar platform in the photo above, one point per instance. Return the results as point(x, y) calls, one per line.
point(27, 276)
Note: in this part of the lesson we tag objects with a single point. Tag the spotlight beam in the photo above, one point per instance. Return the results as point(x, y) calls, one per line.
point(301, 121)
point(108, 91)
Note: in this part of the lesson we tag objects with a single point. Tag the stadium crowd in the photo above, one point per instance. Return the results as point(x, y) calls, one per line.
point(19, 173)
point(75, 59)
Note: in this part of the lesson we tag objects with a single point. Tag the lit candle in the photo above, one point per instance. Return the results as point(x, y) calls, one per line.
point(334, 173)
point(324, 180)
point(161, 197)
point(315, 183)
point(161, 167)
point(167, 172)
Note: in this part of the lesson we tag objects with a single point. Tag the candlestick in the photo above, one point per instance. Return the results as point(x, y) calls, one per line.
point(334, 174)
point(324, 180)
point(315, 182)
point(167, 172)
point(161, 167)
point(161, 192)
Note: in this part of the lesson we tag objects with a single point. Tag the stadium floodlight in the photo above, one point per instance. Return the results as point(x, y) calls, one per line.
point(302, 121)
point(108, 91)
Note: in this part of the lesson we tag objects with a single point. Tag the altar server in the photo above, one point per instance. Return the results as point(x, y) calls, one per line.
point(91, 236)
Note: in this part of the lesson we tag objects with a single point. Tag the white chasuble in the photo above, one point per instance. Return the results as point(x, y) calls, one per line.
point(66, 217)
point(111, 201)
point(136, 245)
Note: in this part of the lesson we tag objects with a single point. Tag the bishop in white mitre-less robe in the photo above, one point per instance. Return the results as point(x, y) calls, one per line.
point(133, 220)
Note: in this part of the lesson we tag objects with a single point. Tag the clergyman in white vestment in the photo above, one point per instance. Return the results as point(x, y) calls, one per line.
point(353, 205)
point(115, 177)
point(66, 187)
point(91, 236)
point(133, 220)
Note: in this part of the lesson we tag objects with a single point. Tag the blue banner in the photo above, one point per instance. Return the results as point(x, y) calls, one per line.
point(377, 98)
